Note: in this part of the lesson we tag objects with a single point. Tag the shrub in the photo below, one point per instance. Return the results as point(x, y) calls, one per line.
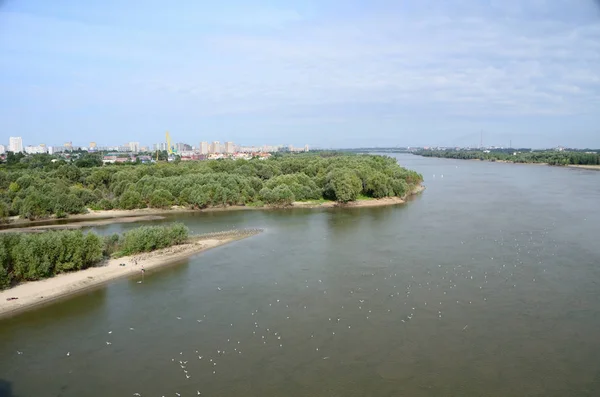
point(161, 198)
point(149, 238)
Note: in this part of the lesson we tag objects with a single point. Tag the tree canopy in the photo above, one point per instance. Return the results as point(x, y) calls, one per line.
point(27, 257)
point(62, 188)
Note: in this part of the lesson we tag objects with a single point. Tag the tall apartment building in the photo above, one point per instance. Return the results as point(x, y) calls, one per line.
point(93, 146)
point(35, 149)
point(229, 148)
point(15, 144)
point(204, 148)
point(2, 149)
point(134, 147)
point(68, 146)
point(215, 147)
point(160, 146)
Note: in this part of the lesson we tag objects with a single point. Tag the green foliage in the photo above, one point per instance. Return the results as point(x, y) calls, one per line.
point(62, 188)
point(551, 157)
point(4, 212)
point(34, 256)
point(161, 198)
point(131, 200)
point(343, 185)
point(150, 238)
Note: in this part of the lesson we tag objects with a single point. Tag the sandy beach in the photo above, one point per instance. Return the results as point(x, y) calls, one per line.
point(35, 293)
point(585, 167)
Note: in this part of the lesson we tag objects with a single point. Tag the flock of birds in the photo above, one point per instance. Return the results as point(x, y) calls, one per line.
point(390, 296)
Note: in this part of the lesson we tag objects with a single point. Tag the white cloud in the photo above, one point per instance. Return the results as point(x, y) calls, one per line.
point(508, 60)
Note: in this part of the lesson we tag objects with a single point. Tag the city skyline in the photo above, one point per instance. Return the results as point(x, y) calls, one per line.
point(17, 144)
point(331, 73)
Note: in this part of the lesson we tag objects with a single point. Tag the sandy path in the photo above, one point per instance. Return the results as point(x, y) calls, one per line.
point(34, 293)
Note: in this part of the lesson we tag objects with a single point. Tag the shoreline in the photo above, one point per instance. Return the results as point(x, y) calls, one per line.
point(107, 217)
point(575, 166)
point(585, 167)
point(33, 294)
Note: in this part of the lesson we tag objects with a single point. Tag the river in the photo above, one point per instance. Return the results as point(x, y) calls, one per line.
point(487, 284)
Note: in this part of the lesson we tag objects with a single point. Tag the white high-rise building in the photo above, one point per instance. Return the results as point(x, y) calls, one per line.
point(204, 149)
point(134, 147)
point(229, 147)
point(15, 144)
point(2, 149)
point(215, 147)
point(35, 149)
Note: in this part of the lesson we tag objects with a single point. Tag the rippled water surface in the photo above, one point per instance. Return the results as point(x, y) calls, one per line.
point(487, 284)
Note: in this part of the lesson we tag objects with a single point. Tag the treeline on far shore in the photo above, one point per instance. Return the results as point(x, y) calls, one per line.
point(552, 157)
point(41, 188)
point(34, 256)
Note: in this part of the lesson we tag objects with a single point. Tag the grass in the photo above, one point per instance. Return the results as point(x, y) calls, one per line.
point(316, 202)
point(362, 197)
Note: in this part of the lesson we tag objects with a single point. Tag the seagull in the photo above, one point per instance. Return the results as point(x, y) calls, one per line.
point(68, 354)
point(136, 394)
point(108, 343)
point(110, 332)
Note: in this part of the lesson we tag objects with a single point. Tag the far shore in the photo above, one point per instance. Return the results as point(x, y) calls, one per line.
point(36, 293)
point(585, 167)
point(582, 167)
point(107, 217)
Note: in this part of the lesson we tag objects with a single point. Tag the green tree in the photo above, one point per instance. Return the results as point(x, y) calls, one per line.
point(161, 199)
point(131, 200)
point(343, 185)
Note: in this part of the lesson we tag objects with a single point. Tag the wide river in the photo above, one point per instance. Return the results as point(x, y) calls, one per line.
point(487, 284)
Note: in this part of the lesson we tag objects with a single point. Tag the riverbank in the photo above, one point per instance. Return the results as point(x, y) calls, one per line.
point(106, 217)
point(36, 293)
point(585, 167)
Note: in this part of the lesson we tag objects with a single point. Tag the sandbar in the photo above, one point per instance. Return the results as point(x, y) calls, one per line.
point(36, 293)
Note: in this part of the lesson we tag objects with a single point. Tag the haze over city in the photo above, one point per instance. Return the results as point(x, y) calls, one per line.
point(324, 73)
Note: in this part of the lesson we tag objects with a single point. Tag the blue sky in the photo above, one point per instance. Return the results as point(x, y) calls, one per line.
point(328, 73)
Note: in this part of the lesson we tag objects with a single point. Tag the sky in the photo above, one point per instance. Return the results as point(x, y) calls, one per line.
point(327, 73)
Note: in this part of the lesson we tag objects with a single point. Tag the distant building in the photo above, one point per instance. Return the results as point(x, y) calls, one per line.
point(204, 148)
point(50, 149)
point(68, 146)
point(229, 147)
point(215, 147)
point(306, 148)
point(35, 149)
point(183, 147)
point(160, 146)
point(134, 147)
point(15, 144)
point(92, 146)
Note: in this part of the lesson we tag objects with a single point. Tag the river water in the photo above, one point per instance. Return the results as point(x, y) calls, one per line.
point(487, 284)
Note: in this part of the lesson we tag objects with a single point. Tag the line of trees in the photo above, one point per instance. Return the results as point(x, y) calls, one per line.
point(551, 157)
point(70, 188)
point(34, 256)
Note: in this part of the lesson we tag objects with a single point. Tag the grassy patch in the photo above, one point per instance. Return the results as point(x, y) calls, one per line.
point(315, 202)
point(362, 197)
